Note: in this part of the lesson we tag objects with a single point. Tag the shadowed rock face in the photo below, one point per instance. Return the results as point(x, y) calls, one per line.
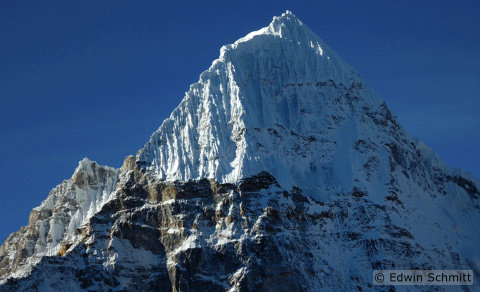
point(251, 236)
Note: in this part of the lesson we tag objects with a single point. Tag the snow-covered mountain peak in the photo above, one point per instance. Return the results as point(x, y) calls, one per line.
point(86, 166)
point(291, 38)
point(287, 26)
point(312, 185)
point(284, 26)
point(249, 110)
point(68, 206)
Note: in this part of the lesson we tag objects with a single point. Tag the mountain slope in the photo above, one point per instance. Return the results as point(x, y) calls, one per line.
point(279, 78)
point(281, 169)
point(56, 220)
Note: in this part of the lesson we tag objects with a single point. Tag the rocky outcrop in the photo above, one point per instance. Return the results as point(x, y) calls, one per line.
point(251, 236)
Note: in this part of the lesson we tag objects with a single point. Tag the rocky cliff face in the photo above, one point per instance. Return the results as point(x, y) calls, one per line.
point(281, 170)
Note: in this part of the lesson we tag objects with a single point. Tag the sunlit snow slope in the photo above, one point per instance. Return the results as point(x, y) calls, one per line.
point(278, 100)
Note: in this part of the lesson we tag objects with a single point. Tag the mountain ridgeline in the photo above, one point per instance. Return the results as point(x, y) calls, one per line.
point(280, 170)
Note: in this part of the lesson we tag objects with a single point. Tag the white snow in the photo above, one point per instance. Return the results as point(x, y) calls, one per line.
point(82, 202)
point(252, 90)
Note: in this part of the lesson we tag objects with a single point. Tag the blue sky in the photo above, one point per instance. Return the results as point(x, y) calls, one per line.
point(96, 78)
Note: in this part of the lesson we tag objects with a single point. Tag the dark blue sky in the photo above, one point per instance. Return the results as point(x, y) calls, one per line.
point(87, 79)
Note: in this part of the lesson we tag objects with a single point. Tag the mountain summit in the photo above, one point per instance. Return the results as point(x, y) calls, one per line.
point(281, 169)
point(268, 95)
